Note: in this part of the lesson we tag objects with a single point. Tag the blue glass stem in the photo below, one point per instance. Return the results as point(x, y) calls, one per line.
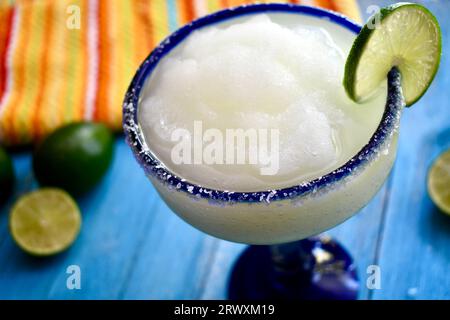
point(316, 268)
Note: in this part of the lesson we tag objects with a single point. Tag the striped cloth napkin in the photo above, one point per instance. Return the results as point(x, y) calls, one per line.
point(68, 60)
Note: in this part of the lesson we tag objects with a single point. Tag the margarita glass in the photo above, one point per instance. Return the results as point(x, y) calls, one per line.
point(315, 268)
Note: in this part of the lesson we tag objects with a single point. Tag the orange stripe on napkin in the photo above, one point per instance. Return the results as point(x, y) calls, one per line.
point(51, 74)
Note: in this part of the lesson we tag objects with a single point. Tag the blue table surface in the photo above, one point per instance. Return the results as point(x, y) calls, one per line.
point(133, 247)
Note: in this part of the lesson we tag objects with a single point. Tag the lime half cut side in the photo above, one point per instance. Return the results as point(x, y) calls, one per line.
point(404, 35)
point(45, 222)
point(439, 182)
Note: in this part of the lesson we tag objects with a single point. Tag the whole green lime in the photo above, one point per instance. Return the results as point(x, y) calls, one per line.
point(7, 176)
point(74, 157)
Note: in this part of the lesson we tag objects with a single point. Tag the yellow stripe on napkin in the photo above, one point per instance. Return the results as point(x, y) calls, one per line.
point(68, 60)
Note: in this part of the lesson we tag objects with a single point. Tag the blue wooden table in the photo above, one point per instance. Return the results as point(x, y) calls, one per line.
point(133, 247)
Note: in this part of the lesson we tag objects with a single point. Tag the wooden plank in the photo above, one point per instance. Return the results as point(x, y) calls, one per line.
point(414, 257)
point(216, 282)
point(115, 215)
point(360, 236)
point(17, 268)
point(172, 260)
point(132, 246)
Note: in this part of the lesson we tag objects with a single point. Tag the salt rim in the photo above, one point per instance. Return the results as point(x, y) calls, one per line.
point(152, 166)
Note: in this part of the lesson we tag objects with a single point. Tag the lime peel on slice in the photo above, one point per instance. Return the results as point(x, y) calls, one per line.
point(439, 182)
point(45, 222)
point(403, 35)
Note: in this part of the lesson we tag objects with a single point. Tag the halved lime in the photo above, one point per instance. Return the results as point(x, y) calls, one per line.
point(404, 35)
point(439, 182)
point(45, 222)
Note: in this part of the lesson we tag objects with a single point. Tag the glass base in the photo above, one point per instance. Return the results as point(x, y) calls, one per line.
point(317, 268)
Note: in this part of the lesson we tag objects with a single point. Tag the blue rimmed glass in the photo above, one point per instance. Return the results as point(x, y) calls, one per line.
point(311, 268)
